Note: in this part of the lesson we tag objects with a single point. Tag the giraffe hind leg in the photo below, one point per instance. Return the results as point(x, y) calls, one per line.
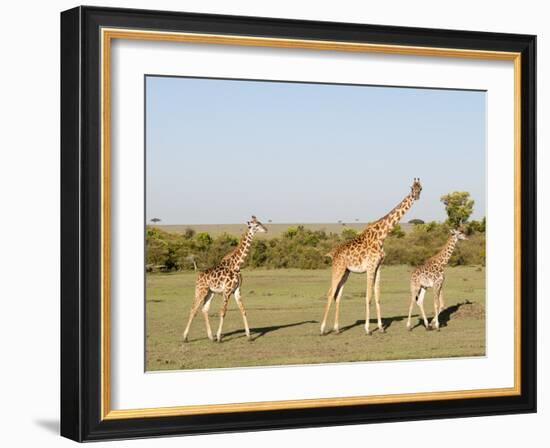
point(420, 302)
point(201, 293)
point(338, 297)
point(205, 310)
point(415, 290)
point(337, 274)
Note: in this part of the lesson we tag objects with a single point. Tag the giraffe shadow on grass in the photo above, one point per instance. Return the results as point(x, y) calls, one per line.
point(444, 316)
point(386, 323)
point(258, 332)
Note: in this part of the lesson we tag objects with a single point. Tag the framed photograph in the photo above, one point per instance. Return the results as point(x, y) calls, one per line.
point(273, 223)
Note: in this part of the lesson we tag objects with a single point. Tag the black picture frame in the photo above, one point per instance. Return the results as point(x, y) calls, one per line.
point(81, 224)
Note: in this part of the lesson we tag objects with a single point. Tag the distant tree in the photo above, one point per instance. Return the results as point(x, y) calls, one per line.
point(189, 233)
point(356, 219)
point(416, 221)
point(155, 220)
point(269, 220)
point(458, 206)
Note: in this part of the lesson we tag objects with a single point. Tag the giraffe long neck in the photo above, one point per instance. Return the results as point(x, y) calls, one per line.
point(385, 224)
point(446, 253)
point(238, 256)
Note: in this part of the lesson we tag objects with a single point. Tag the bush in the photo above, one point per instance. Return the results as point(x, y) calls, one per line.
point(303, 248)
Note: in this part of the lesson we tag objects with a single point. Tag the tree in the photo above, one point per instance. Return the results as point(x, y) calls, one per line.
point(458, 206)
point(155, 220)
point(416, 221)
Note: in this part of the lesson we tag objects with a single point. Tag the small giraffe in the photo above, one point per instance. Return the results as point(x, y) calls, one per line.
point(432, 275)
point(225, 278)
point(362, 254)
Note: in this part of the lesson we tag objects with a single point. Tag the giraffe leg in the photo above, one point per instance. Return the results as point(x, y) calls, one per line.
point(205, 309)
point(336, 328)
point(437, 309)
point(337, 274)
point(441, 301)
point(223, 310)
point(415, 290)
point(420, 303)
point(370, 290)
point(377, 300)
point(200, 294)
point(243, 311)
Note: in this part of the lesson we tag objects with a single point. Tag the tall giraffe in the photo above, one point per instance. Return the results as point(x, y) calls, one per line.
point(432, 275)
point(362, 254)
point(225, 278)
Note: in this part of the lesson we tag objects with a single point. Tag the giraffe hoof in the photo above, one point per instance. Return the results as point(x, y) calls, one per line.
point(381, 330)
point(336, 331)
point(368, 332)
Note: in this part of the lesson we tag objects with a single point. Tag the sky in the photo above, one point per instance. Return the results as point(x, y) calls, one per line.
point(218, 151)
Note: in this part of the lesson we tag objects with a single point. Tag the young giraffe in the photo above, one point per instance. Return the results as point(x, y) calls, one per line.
point(225, 278)
point(362, 254)
point(431, 275)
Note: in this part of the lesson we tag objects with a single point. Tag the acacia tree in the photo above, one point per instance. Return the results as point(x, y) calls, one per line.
point(459, 206)
point(155, 220)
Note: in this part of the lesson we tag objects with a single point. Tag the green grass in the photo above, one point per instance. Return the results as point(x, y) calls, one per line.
point(284, 310)
point(274, 230)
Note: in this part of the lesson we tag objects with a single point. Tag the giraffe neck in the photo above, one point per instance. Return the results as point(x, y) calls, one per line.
point(385, 224)
point(238, 256)
point(445, 254)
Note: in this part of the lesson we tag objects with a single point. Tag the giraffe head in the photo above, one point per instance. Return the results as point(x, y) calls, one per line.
point(459, 234)
point(256, 226)
point(416, 188)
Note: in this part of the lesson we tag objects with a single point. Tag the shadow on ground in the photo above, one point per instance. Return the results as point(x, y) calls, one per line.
point(256, 333)
point(444, 316)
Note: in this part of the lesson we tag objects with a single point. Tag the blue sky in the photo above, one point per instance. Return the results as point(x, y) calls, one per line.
point(218, 151)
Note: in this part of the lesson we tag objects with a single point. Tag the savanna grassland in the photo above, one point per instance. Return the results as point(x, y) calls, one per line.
point(285, 306)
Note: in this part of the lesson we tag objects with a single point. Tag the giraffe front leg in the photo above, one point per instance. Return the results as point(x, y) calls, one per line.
point(223, 310)
point(243, 311)
point(377, 300)
point(370, 291)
